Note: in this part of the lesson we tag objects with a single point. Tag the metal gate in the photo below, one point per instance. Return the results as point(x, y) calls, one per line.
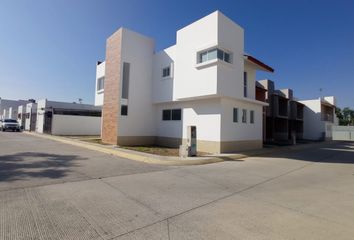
point(343, 133)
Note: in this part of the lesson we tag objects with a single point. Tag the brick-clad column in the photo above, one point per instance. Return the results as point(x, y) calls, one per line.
point(111, 103)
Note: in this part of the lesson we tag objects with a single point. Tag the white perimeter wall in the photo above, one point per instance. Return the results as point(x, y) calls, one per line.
point(22, 110)
point(76, 125)
point(239, 131)
point(313, 126)
point(100, 72)
point(31, 108)
point(41, 105)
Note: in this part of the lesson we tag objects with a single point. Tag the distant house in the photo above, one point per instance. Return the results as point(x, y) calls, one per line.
point(319, 118)
point(206, 80)
point(283, 118)
point(6, 104)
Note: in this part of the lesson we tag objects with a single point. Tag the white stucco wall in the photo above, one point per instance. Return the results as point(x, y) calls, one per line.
point(21, 110)
point(163, 86)
point(41, 105)
point(13, 112)
point(190, 81)
point(99, 95)
point(76, 125)
point(313, 126)
point(239, 131)
point(230, 76)
point(204, 114)
point(138, 50)
point(31, 108)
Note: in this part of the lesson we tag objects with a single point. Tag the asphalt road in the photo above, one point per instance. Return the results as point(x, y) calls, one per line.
point(49, 190)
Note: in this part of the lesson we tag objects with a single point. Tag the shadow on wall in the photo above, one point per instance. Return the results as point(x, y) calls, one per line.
point(26, 165)
point(331, 152)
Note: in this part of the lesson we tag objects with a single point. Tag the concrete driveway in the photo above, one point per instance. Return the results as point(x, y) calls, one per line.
point(49, 190)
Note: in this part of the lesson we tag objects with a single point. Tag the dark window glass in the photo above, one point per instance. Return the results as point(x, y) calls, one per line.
point(166, 72)
point(220, 54)
point(245, 84)
point(10, 121)
point(166, 115)
point(100, 84)
point(176, 114)
point(235, 115)
point(125, 84)
point(124, 110)
point(251, 116)
point(74, 112)
point(227, 57)
point(244, 116)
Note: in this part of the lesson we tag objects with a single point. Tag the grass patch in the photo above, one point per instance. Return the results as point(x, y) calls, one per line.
point(162, 151)
point(158, 150)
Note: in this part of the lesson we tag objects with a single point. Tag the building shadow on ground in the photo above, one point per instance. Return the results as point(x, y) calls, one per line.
point(27, 165)
point(328, 152)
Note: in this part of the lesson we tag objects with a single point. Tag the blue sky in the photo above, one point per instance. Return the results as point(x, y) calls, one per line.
point(49, 48)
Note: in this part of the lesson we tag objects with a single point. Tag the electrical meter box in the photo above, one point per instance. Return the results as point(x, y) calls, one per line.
point(192, 140)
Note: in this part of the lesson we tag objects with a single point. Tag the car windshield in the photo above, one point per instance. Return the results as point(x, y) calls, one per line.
point(10, 121)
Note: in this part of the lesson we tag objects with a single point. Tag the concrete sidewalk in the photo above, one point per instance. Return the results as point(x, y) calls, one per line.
point(175, 161)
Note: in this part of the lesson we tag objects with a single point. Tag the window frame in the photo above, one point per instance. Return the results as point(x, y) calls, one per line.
point(204, 56)
point(245, 84)
point(235, 115)
point(168, 69)
point(124, 110)
point(170, 114)
point(100, 84)
point(244, 115)
point(252, 116)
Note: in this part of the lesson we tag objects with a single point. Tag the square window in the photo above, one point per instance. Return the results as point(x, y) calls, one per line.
point(176, 114)
point(166, 115)
point(124, 110)
point(235, 115)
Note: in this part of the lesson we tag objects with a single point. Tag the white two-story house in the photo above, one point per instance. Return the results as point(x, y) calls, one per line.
point(205, 80)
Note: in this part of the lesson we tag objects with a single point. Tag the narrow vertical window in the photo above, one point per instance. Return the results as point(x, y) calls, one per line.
point(100, 84)
point(251, 116)
point(244, 115)
point(124, 110)
point(245, 84)
point(125, 83)
point(235, 115)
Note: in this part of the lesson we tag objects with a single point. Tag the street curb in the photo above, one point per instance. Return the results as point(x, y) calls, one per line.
point(129, 154)
point(173, 161)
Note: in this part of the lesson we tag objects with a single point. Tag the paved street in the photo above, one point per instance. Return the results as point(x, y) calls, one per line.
point(49, 190)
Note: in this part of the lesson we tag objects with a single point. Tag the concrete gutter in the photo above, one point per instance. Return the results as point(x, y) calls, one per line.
point(175, 161)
